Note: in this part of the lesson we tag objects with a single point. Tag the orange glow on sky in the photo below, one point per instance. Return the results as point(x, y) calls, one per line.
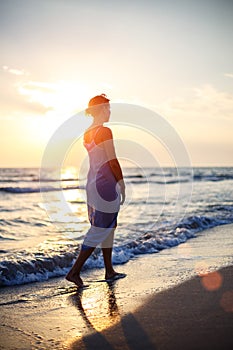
point(164, 56)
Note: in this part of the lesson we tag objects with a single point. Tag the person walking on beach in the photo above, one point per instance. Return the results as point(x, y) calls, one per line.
point(105, 190)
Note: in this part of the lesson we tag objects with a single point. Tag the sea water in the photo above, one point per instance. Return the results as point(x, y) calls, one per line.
point(40, 236)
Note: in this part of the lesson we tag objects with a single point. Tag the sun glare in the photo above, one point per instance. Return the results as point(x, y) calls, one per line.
point(69, 173)
point(62, 97)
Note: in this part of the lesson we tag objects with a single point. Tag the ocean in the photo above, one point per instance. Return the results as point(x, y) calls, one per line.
point(44, 219)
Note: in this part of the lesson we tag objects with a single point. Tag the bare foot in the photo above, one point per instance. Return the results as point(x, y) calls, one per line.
point(75, 279)
point(114, 276)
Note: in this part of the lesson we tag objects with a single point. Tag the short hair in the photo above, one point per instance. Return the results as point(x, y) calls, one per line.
point(95, 101)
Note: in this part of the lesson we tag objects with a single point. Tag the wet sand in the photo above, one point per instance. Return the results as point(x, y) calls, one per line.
point(188, 316)
point(167, 301)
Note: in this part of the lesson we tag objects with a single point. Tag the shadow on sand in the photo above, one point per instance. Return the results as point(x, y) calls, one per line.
point(130, 329)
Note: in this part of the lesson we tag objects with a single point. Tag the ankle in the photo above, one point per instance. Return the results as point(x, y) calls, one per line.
point(109, 272)
point(73, 273)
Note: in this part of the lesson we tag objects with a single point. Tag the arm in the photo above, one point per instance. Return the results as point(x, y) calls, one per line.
point(113, 162)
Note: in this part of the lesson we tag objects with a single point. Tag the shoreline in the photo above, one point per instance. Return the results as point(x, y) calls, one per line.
point(161, 303)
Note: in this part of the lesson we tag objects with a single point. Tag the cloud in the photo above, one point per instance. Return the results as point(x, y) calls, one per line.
point(64, 97)
point(39, 86)
point(61, 98)
point(22, 96)
point(202, 116)
point(12, 102)
point(14, 71)
point(205, 102)
point(38, 92)
point(228, 75)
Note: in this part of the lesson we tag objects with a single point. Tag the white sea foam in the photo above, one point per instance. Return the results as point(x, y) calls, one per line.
point(34, 249)
point(32, 267)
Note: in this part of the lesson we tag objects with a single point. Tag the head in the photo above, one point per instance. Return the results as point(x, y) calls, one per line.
point(99, 107)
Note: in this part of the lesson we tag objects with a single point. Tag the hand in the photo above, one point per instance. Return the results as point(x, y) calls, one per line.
point(122, 198)
point(122, 189)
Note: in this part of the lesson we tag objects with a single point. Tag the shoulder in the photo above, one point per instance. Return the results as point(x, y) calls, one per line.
point(99, 134)
point(105, 133)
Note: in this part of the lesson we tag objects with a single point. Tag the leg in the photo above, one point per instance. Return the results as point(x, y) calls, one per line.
point(109, 271)
point(74, 274)
point(107, 254)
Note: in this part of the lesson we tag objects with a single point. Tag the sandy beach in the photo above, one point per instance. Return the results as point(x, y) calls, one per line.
point(185, 317)
point(180, 298)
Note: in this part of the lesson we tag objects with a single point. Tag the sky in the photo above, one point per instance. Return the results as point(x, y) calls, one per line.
point(173, 57)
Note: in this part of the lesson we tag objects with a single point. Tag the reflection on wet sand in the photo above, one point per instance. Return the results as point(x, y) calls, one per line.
point(99, 310)
point(97, 306)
